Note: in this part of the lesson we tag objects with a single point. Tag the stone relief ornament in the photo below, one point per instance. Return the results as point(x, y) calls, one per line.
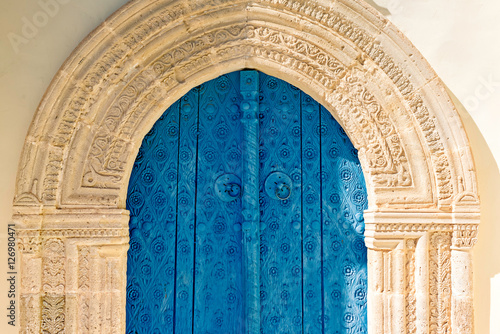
point(440, 283)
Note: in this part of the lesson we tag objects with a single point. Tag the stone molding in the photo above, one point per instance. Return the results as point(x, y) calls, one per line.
point(73, 175)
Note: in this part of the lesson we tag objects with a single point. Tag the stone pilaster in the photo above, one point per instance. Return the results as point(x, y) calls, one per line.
point(73, 271)
point(462, 313)
point(420, 272)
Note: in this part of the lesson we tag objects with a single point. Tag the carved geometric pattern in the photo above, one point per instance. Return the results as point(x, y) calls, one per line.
point(84, 287)
point(402, 227)
point(85, 233)
point(84, 268)
point(361, 114)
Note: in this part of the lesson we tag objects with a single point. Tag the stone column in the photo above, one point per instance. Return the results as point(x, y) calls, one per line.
point(462, 312)
point(386, 283)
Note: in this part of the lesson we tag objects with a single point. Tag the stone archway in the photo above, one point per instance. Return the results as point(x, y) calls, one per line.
point(423, 205)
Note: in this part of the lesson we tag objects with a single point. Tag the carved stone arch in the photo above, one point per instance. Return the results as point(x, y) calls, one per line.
point(73, 175)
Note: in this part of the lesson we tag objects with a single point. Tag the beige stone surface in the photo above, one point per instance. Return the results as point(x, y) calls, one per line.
point(72, 193)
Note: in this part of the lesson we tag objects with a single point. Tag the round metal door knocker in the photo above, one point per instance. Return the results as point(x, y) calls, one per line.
point(278, 186)
point(228, 187)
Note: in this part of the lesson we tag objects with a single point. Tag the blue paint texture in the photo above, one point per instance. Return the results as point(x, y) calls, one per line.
point(246, 202)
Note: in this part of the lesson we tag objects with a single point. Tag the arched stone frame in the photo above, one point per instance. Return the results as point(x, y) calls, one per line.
point(72, 182)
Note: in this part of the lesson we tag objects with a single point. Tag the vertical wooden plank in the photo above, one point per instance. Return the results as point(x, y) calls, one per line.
point(281, 258)
point(344, 254)
point(249, 83)
point(311, 217)
point(186, 199)
point(152, 204)
point(218, 278)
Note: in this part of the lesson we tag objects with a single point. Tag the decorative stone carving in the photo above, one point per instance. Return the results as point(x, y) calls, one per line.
point(385, 156)
point(440, 283)
point(410, 288)
point(53, 315)
point(357, 108)
point(30, 318)
point(29, 241)
point(313, 59)
point(79, 152)
point(53, 266)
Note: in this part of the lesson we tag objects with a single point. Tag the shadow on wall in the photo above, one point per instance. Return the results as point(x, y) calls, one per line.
point(486, 257)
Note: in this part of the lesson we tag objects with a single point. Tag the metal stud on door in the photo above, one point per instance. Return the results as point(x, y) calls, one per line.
point(246, 204)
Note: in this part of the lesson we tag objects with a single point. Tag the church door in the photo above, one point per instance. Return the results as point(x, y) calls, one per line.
point(246, 203)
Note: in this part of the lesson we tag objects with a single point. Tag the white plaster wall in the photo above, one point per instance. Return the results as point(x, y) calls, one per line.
point(459, 38)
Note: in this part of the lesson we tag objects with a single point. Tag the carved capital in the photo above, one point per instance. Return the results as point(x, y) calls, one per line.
point(29, 241)
point(464, 236)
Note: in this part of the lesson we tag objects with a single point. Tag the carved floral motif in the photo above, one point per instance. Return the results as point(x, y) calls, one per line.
point(440, 283)
point(53, 317)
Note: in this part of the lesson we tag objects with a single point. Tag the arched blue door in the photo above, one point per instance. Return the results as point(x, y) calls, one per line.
point(246, 203)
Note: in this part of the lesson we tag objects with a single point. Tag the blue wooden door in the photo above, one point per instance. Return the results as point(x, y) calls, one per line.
point(246, 203)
